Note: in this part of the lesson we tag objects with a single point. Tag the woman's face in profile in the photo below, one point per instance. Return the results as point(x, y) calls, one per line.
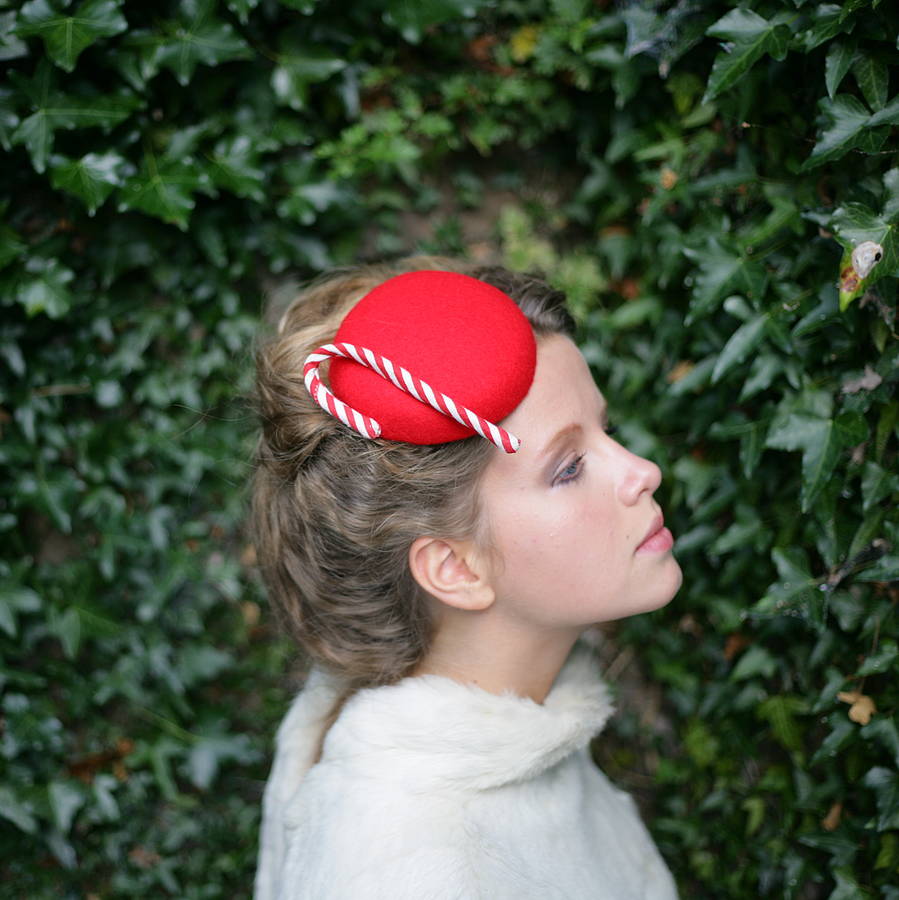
point(577, 535)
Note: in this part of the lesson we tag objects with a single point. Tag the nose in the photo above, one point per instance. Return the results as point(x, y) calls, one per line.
point(639, 476)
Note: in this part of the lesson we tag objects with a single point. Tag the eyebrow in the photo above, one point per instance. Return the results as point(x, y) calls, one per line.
point(558, 438)
point(568, 430)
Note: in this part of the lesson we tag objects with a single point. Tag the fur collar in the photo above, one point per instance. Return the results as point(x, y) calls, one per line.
point(431, 731)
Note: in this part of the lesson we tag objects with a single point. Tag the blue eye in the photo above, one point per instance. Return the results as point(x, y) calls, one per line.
point(571, 472)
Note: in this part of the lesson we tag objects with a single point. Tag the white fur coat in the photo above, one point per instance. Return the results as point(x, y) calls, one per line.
point(433, 790)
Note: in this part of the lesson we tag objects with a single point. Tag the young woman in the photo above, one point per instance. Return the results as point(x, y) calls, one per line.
point(439, 519)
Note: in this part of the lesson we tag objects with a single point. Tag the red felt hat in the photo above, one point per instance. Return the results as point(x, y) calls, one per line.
point(463, 337)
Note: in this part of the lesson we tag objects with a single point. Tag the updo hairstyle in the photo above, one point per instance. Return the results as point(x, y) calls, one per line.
point(335, 513)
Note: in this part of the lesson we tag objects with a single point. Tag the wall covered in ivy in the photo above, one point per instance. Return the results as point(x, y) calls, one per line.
point(716, 187)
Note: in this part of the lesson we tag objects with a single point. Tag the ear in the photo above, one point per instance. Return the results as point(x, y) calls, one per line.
point(452, 571)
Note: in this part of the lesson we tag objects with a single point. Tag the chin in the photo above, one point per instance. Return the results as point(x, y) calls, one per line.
point(666, 587)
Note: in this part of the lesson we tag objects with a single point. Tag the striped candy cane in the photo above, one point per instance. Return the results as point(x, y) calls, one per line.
point(405, 381)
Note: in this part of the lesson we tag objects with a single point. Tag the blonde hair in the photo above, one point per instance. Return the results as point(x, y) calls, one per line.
point(335, 514)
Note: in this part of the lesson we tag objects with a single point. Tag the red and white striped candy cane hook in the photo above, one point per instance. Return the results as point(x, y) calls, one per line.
point(405, 381)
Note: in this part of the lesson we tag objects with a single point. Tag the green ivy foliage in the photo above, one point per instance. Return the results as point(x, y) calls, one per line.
point(713, 167)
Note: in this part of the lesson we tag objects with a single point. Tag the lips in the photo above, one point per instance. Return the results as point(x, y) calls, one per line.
point(657, 523)
point(658, 539)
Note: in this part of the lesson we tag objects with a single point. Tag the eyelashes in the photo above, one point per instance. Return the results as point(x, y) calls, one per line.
point(571, 472)
point(574, 469)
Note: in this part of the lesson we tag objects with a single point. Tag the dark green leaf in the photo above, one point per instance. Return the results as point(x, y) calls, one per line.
point(877, 483)
point(242, 8)
point(54, 110)
point(883, 729)
point(66, 798)
point(412, 17)
point(65, 36)
point(827, 21)
point(752, 37)
point(889, 115)
point(67, 627)
point(837, 65)
point(780, 712)
point(210, 752)
point(198, 38)
point(9, 119)
point(842, 732)
point(873, 78)
point(754, 662)
point(851, 428)
point(880, 662)
point(885, 785)
point(721, 270)
point(821, 443)
point(91, 178)
point(14, 810)
point(11, 246)
point(235, 167)
point(10, 46)
point(164, 190)
point(739, 345)
point(891, 196)
point(44, 288)
point(848, 118)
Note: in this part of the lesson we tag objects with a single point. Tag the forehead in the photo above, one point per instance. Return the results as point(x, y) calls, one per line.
point(563, 394)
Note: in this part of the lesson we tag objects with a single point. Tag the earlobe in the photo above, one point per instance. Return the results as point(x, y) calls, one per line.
point(452, 572)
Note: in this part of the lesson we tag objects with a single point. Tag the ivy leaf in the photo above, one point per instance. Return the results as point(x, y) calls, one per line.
point(65, 36)
point(873, 78)
point(880, 663)
point(885, 785)
point(889, 115)
point(11, 246)
point(827, 21)
point(54, 110)
point(780, 713)
point(720, 271)
point(235, 167)
point(739, 345)
point(837, 64)
point(9, 119)
point(65, 800)
point(891, 196)
point(850, 6)
point(44, 290)
point(16, 811)
point(210, 751)
point(67, 627)
point(91, 178)
point(198, 37)
point(821, 442)
point(10, 46)
point(795, 585)
point(752, 37)
point(300, 68)
point(14, 600)
point(164, 189)
point(755, 661)
point(877, 483)
point(412, 17)
point(848, 118)
point(242, 8)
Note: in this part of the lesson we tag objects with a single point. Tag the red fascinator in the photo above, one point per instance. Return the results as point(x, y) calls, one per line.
point(428, 358)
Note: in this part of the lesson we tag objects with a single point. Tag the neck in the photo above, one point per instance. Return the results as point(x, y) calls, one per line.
point(498, 657)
